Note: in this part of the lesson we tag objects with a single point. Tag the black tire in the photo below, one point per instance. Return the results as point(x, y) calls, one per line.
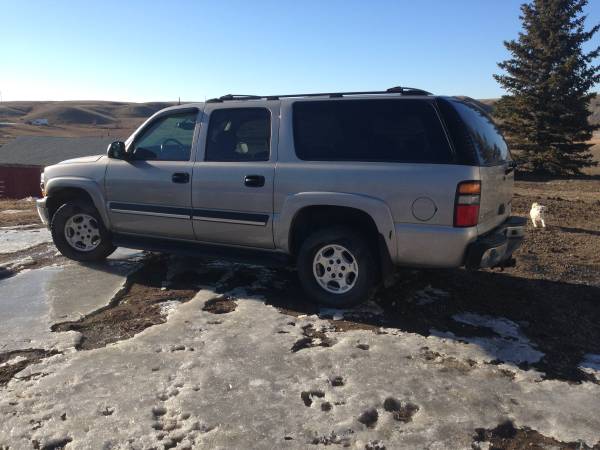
point(57, 227)
point(358, 246)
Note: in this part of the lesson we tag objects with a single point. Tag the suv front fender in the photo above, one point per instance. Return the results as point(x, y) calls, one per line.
point(54, 186)
point(293, 204)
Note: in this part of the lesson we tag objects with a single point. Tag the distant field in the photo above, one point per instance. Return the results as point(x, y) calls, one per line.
point(76, 118)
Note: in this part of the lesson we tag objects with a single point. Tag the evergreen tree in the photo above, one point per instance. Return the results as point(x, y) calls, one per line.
point(549, 80)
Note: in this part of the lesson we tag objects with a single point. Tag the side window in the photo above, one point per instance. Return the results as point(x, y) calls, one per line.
point(369, 130)
point(167, 139)
point(239, 134)
point(488, 140)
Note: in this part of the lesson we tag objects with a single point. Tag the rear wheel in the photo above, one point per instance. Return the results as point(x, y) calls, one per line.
point(79, 234)
point(336, 267)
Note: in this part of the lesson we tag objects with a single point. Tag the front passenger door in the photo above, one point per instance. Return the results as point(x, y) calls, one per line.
point(150, 193)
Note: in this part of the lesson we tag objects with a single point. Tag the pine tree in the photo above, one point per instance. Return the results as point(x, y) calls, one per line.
point(549, 79)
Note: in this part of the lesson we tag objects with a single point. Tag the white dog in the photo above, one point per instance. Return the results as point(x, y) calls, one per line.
point(537, 214)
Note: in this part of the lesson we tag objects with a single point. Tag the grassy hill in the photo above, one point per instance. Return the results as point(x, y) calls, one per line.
point(74, 118)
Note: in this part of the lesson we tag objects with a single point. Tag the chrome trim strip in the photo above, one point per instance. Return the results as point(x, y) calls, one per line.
point(146, 213)
point(240, 222)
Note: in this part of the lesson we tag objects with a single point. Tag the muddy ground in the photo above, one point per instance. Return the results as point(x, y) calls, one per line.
point(17, 212)
point(549, 303)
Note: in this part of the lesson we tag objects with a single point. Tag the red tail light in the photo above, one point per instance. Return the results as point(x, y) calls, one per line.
point(466, 209)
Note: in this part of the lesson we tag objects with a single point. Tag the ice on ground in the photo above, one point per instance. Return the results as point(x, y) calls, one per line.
point(17, 264)
point(16, 239)
point(194, 382)
point(33, 300)
point(509, 346)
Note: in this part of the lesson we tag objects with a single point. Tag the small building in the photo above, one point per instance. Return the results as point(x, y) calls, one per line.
point(39, 122)
point(23, 160)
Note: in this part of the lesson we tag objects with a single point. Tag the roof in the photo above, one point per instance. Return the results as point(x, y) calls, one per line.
point(394, 90)
point(46, 150)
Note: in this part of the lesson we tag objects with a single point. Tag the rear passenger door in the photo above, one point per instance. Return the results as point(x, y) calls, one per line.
point(232, 183)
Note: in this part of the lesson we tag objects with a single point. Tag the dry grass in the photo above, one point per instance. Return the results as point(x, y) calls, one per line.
point(18, 212)
point(74, 119)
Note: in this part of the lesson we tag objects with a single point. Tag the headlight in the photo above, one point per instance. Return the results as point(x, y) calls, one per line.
point(42, 185)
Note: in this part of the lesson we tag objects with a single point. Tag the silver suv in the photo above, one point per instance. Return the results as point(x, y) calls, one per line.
point(345, 185)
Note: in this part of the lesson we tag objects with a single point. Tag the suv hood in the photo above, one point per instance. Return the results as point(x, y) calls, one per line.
point(84, 159)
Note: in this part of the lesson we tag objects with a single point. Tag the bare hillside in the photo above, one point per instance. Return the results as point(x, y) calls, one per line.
point(74, 118)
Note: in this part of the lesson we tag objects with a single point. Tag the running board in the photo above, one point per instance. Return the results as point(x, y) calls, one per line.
point(243, 255)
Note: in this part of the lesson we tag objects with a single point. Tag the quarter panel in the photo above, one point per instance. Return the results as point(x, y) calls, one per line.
point(395, 185)
point(496, 192)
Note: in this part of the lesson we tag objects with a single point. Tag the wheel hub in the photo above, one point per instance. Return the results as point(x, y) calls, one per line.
point(82, 232)
point(335, 269)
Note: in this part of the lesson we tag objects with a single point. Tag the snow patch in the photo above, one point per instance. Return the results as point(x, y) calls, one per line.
point(510, 346)
point(167, 308)
point(16, 239)
point(591, 364)
point(12, 361)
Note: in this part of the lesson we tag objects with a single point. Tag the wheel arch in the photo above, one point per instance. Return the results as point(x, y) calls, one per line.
point(62, 190)
point(302, 213)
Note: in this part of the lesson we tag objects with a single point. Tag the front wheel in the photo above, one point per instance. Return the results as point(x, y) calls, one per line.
point(79, 234)
point(336, 267)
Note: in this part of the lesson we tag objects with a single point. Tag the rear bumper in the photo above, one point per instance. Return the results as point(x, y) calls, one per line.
point(42, 211)
point(496, 247)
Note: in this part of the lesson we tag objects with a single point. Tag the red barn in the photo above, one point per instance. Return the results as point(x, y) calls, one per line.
point(23, 160)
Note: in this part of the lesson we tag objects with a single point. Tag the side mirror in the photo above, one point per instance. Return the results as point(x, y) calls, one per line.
point(116, 150)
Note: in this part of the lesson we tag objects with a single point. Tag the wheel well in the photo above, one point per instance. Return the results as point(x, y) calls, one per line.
point(312, 218)
point(63, 195)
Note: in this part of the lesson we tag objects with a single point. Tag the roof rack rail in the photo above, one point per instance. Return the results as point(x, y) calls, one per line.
point(394, 90)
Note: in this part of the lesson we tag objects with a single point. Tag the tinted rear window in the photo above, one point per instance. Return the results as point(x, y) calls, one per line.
point(486, 138)
point(369, 130)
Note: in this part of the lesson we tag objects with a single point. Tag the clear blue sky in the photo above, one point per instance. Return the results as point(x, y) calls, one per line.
point(162, 50)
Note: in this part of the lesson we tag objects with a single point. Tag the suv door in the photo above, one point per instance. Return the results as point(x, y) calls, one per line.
point(150, 193)
point(232, 183)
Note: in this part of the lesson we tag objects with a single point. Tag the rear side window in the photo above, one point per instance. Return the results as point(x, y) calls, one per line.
point(483, 134)
point(369, 130)
point(239, 134)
